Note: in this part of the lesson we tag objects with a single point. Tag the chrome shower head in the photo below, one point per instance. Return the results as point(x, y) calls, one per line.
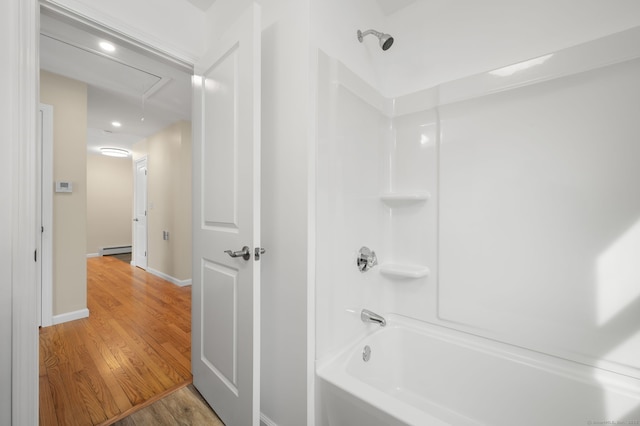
point(385, 39)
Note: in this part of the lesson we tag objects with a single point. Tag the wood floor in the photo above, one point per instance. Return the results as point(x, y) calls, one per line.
point(134, 348)
point(183, 407)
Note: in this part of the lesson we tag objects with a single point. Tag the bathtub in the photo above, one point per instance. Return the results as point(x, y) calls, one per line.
point(420, 374)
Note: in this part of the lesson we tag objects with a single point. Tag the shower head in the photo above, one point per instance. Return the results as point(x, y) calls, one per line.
point(385, 39)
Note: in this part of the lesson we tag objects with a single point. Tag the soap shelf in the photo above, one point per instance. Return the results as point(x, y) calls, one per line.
point(397, 270)
point(393, 198)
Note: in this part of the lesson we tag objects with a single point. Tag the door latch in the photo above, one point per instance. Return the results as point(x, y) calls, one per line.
point(258, 252)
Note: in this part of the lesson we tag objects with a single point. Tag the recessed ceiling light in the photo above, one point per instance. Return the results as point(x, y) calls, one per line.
point(114, 152)
point(116, 124)
point(107, 47)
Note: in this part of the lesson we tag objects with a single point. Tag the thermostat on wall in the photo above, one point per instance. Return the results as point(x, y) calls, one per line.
point(64, 186)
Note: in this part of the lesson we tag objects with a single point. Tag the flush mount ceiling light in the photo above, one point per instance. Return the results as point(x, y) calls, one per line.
point(114, 152)
point(107, 47)
point(116, 124)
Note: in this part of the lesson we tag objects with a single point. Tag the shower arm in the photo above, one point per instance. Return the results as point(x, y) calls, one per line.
point(362, 35)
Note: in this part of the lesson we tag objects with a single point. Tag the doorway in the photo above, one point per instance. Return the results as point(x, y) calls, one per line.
point(140, 214)
point(140, 87)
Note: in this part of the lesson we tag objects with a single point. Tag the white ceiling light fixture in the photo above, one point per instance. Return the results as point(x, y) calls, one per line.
point(116, 124)
point(114, 152)
point(107, 47)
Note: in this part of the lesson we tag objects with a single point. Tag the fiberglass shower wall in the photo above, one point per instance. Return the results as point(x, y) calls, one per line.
point(376, 181)
point(503, 204)
point(353, 134)
point(540, 210)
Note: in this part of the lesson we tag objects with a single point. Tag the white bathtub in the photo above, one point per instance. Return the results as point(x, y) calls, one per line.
point(419, 374)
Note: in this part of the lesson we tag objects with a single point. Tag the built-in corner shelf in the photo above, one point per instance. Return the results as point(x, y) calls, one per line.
point(397, 270)
point(396, 198)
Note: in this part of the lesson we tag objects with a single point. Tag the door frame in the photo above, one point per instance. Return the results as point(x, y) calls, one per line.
point(134, 226)
point(44, 212)
point(24, 70)
point(20, 127)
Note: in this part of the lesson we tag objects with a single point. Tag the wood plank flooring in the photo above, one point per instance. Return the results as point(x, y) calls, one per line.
point(183, 407)
point(134, 348)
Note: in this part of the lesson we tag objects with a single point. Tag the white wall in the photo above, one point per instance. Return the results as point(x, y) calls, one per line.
point(286, 114)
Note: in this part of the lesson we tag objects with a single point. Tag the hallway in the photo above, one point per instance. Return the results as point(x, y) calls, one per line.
point(134, 348)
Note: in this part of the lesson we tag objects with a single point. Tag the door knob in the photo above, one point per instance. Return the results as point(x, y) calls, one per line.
point(245, 253)
point(135, 220)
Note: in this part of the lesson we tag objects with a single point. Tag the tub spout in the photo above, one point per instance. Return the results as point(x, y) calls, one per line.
point(368, 316)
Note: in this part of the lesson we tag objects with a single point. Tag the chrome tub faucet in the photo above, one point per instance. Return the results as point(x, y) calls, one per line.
point(368, 316)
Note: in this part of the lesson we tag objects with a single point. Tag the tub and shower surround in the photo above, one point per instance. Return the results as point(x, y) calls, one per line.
point(503, 206)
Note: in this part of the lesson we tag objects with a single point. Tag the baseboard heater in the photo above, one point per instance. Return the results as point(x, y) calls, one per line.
point(106, 251)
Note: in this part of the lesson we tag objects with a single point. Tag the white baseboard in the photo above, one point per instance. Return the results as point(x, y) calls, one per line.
point(266, 421)
point(181, 283)
point(71, 316)
point(92, 255)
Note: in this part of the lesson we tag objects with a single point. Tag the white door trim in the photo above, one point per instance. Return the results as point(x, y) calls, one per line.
point(82, 12)
point(23, 70)
point(46, 219)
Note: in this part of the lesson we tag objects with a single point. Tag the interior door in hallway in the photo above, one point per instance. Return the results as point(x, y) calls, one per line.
point(140, 214)
point(226, 225)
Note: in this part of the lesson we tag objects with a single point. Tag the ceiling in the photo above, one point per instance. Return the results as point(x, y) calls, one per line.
point(129, 85)
point(387, 7)
point(202, 4)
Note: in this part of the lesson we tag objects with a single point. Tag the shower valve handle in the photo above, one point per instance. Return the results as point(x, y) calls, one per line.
point(367, 259)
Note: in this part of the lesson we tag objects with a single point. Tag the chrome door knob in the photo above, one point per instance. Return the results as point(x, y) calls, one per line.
point(245, 253)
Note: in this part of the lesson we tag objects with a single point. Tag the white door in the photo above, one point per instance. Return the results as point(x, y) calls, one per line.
point(140, 214)
point(226, 188)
